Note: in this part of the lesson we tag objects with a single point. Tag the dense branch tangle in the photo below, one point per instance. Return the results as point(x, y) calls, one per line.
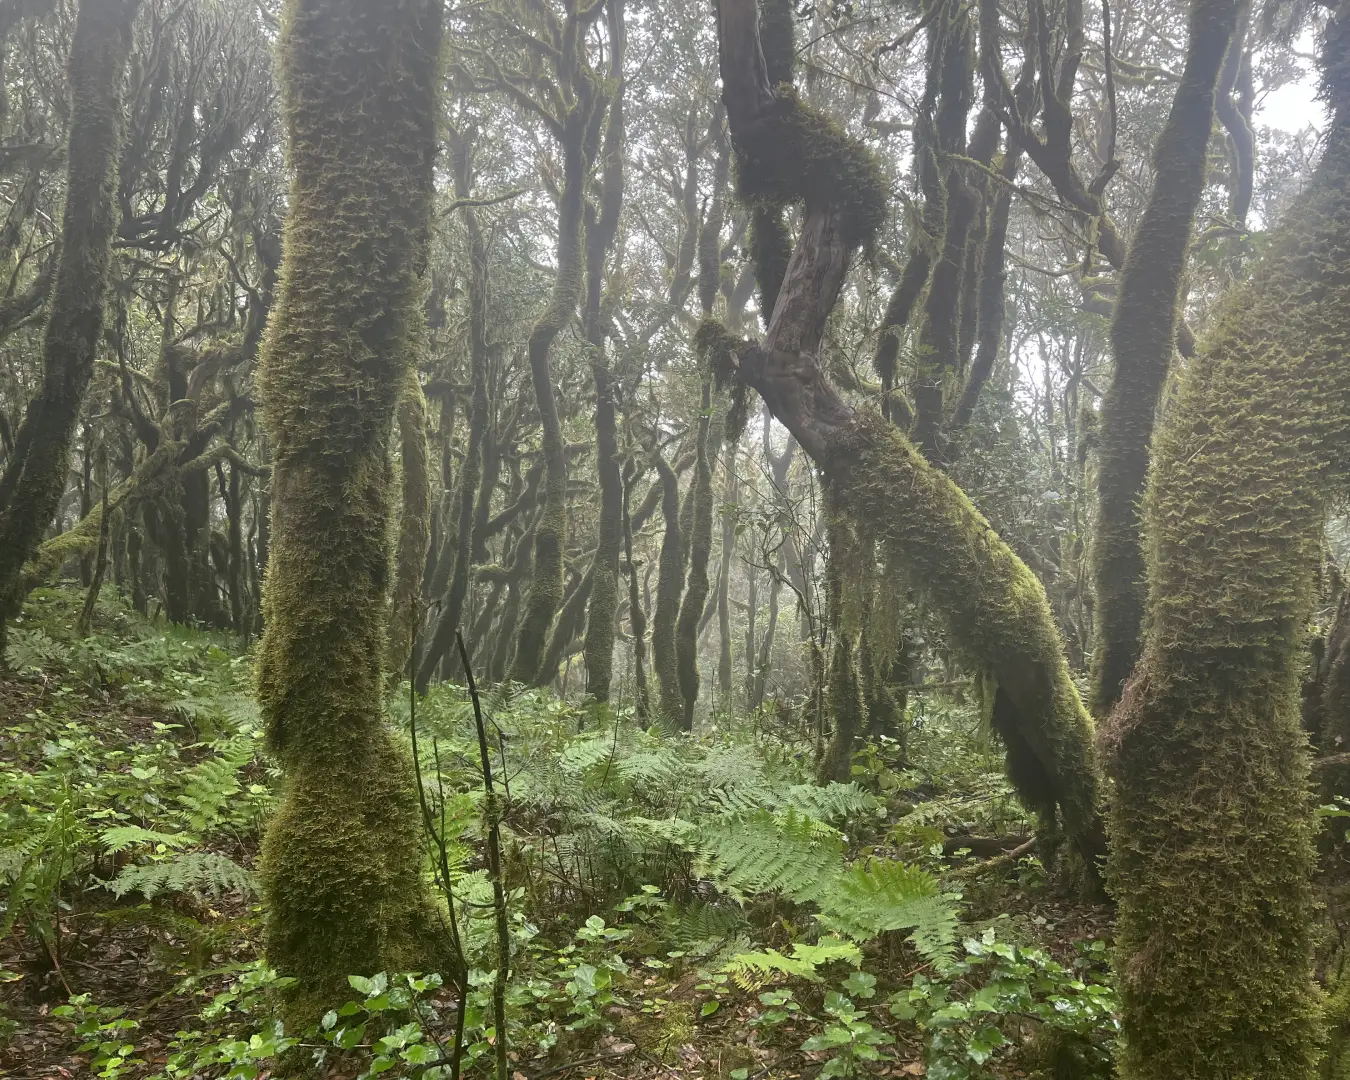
point(996, 608)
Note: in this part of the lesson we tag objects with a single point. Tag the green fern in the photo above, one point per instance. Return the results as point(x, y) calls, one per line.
point(767, 852)
point(212, 784)
point(34, 650)
point(121, 837)
point(751, 970)
point(869, 899)
point(833, 803)
point(198, 874)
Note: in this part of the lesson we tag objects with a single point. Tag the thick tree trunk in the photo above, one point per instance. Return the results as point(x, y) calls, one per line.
point(36, 472)
point(995, 607)
point(1211, 799)
point(1142, 335)
point(341, 866)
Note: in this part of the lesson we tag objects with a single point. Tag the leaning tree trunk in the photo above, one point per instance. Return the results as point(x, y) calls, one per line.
point(995, 607)
point(1142, 335)
point(1211, 821)
point(36, 472)
point(341, 862)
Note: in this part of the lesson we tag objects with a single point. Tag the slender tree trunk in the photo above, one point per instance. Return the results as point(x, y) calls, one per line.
point(1143, 332)
point(724, 658)
point(669, 581)
point(844, 698)
point(550, 535)
point(697, 585)
point(36, 472)
point(341, 865)
point(601, 229)
point(636, 615)
point(414, 524)
point(471, 472)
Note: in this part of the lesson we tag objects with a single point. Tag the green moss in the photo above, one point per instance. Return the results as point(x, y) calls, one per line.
point(796, 153)
point(1143, 332)
point(341, 862)
point(1211, 824)
point(995, 607)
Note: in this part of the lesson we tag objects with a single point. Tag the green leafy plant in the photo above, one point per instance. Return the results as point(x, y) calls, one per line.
point(984, 1005)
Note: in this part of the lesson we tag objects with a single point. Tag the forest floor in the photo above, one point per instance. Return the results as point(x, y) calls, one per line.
point(135, 789)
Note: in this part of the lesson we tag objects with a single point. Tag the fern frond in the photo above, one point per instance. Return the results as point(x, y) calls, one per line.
point(120, 837)
point(752, 970)
point(767, 852)
point(199, 874)
point(869, 899)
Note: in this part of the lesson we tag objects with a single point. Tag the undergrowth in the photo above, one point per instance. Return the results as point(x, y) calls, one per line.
point(666, 894)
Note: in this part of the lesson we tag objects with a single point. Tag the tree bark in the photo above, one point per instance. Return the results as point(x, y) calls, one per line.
point(98, 59)
point(1143, 332)
point(601, 229)
point(341, 865)
point(996, 609)
point(1211, 795)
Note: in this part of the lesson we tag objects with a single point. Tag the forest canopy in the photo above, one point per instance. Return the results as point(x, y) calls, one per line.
point(557, 538)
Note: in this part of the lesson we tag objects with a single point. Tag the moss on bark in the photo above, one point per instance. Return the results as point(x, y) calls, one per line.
point(996, 609)
point(601, 231)
point(340, 866)
point(1143, 332)
point(1211, 823)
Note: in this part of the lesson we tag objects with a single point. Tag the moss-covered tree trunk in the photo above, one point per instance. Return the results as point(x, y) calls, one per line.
point(1211, 821)
point(341, 861)
point(995, 607)
point(844, 696)
point(37, 470)
point(1143, 332)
